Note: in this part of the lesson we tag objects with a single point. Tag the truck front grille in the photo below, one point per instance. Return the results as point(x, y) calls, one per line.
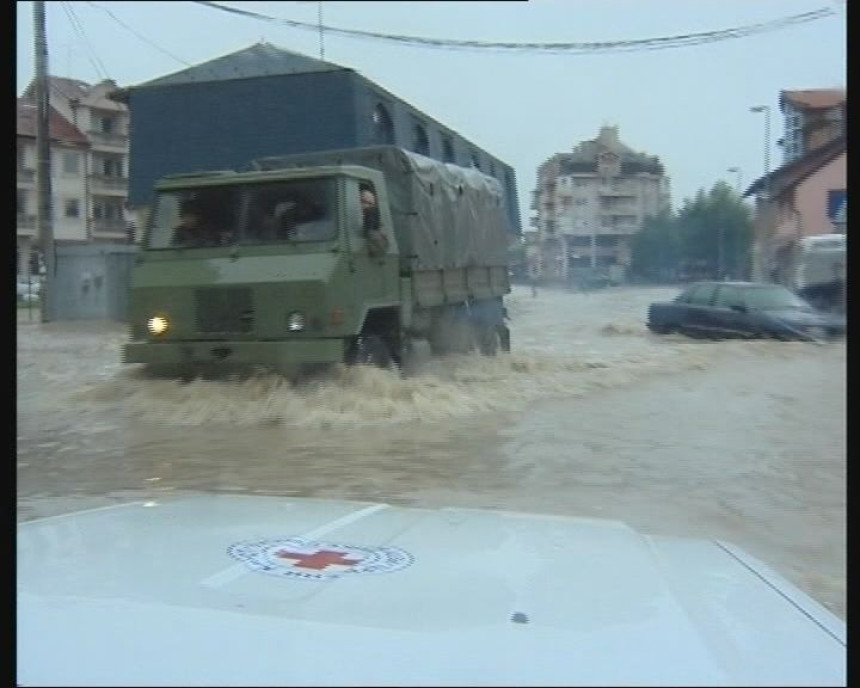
point(223, 310)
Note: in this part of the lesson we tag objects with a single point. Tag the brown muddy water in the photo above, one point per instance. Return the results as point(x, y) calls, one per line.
point(591, 415)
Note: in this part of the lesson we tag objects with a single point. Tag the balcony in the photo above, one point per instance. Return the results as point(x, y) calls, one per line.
point(113, 227)
point(111, 185)
point(26, 175)
point(101, 138)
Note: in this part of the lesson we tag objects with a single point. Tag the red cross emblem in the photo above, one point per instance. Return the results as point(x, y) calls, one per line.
point(318, 560)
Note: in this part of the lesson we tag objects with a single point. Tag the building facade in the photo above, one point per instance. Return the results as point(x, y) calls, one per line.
point(69, 149)
point(812, 118)
point(587, 206)
point(265, 101)
point(806, 195)
point(94, 175)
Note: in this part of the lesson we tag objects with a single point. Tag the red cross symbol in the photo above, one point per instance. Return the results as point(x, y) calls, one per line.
point(317, 560)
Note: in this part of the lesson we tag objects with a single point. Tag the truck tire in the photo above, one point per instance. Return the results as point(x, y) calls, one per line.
point(370, 350)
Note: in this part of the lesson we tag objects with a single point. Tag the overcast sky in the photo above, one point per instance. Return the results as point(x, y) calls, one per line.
point(690, 105)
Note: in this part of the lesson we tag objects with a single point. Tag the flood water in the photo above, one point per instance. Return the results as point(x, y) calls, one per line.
point(590, 415)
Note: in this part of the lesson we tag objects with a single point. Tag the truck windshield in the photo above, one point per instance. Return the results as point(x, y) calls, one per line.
point(195, 218)
point(290, 211)
point(277, 212)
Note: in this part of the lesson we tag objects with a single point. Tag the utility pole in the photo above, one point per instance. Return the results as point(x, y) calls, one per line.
point(320, 22)
point(44, 215)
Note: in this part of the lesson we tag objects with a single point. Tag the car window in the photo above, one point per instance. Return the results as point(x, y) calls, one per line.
point(701, 295)
point(727, 297)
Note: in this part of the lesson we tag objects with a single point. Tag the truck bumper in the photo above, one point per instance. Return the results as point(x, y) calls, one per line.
point(287, 357)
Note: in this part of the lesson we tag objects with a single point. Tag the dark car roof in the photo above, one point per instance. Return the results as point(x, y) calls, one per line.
point(750, 285)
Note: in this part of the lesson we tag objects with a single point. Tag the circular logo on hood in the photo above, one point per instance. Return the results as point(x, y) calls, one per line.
point(314, 560)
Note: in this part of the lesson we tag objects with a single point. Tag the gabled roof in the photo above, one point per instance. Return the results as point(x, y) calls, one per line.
point(71, 89)
point(816, 99)
point(61, 130)
point(794, 172)
point(262, 59)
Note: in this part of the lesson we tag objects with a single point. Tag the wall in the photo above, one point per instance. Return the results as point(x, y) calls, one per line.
point(404, 118)
point(227, 124)
point(92, 282)
point(811, 195)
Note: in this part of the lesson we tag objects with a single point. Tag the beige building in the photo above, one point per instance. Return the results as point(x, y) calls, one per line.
point(105, 125)
point(69, 150)
point(588, 205)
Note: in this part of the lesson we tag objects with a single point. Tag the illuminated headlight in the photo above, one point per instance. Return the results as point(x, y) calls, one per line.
point(157, 325)
point(295, 322)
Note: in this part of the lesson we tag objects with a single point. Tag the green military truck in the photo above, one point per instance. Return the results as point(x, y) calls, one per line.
point(288, 265)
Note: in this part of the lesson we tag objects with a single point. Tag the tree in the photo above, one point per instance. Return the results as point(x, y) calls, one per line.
point(656, 248)
point(716, 233)
point(709, 238)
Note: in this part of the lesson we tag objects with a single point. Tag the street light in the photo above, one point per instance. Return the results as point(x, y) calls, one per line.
point(766, 110)
point(764, 196)
point(736, 171)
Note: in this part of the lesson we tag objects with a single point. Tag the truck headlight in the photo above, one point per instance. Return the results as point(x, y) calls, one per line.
point(295, 322)
point(157, 325)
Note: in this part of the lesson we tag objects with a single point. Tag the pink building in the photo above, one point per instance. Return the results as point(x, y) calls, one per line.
point(807, 194)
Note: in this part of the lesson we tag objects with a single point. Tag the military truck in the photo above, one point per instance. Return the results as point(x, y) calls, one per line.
point(284, 266)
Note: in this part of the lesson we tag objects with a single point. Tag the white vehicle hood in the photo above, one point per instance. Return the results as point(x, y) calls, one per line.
point(234, 590)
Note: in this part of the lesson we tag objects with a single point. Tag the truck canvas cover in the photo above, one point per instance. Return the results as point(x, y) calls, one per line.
point(445, 216)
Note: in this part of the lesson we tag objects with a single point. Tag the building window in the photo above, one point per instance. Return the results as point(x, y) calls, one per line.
point(112, 167)
point(476, 161)
point(492, 170)
point(22, 202)
point(420, 142)
point(72, 207)
point(70, 163)
point(447, 150)
point(108, 125)
point(107, 209)
point(383, 127)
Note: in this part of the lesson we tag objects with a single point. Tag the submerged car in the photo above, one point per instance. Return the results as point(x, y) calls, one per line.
point(743, 309)
point(253, 590)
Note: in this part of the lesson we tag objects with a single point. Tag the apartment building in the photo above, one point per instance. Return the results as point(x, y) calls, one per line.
point(69, 149)
point(812, 118)
point(589, 203)
point(105, 124)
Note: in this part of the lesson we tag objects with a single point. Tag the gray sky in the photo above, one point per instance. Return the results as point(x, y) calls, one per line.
point(688, 105)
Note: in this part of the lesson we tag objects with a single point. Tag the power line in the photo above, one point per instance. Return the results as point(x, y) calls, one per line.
point(658, 43)
point(141, 37)
point(79, 30)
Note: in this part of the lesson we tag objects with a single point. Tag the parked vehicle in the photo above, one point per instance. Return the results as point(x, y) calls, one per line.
point(317, 285)
point(819, 275)
point(28, 290)
point(743, 309)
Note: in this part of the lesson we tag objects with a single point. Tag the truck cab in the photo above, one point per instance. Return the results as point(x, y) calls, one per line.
point(261, 268)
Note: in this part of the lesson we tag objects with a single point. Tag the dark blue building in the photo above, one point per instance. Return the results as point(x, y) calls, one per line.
point(265, 101)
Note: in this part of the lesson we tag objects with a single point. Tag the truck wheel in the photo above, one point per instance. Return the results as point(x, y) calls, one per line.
point(370, 350)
